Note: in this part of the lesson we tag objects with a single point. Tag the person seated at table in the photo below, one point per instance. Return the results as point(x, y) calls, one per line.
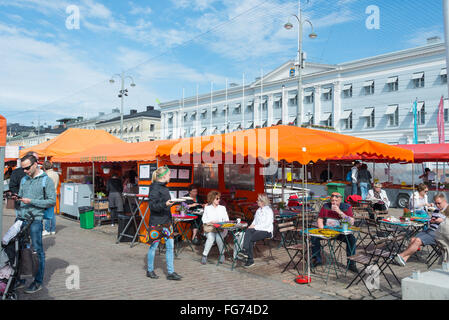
point(331, 215)
point(214, 213)
point(426, 237)
point(377, 193)
point(261, 228)
point(418, 202)
point(195, 203)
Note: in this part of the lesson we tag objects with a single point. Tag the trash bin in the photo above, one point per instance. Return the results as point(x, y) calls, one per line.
point(129, 233)
point(87, 218)
point(336, 187)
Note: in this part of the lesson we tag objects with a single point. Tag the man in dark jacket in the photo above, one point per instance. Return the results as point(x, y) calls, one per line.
point(115, 189)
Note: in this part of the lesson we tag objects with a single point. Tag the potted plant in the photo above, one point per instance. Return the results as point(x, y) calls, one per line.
point(346, 223)
point(184, 209)
point(100, 195)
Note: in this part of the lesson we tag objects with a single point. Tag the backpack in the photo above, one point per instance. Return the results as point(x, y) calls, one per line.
point(349, 176)
point(49, 212)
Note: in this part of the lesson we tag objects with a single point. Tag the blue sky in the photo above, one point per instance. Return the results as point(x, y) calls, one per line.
point(51, 72)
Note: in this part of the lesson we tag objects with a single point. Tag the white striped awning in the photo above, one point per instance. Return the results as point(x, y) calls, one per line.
point(193, 113)
point(293, 94)
point(346, 114)
point(250, 125)
point(326, 90)
point(325, 116)
point(203, 111)
point(308, 93)
point(264, 123)
point(418, 75)
point(214, 109)
point(277, 122)
point(368, 83)
point(237, 126)
point(347, 87)
point(277, 98)
point(392, 80)
point(237, 105)
point(170, 116)
point(391, 109)
point(203, 130)
point(443, 72)
point(264, 99)
point(367, 112)
point(250, 102)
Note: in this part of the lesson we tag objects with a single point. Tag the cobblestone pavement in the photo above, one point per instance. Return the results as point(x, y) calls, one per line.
point(115, 271)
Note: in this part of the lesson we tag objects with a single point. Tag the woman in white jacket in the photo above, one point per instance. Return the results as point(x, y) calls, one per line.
point(261, 228)
point(214, 213)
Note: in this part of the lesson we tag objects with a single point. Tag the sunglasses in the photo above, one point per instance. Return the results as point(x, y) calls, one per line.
point(438, 203)
point(27, 168)
point(217, 198)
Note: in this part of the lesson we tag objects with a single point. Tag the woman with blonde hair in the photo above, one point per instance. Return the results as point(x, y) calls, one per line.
point(213, 213)
point(261, 228)
point(160, 224)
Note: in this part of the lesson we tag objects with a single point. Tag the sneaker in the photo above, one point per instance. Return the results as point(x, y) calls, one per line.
point(112, 224)
point(53, 233)
point(45, 233)
point(34, 287)
point(152, 275)
point(399, 260)
point(204, 260)
point(243, 254)
point(249, 264)
point(174, 276)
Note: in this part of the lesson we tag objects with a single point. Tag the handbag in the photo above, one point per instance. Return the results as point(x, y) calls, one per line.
point(29, 262)
point(209, 227)
point(156, 233)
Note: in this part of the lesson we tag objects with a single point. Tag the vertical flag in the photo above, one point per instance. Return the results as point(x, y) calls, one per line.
point(415, 122)
point(440, 121)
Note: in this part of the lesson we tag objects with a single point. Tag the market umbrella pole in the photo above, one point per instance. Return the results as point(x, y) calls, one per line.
point(93, 183)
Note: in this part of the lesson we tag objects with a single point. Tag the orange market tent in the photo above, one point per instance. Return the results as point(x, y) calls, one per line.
point(72, 141)
point(289, 143)
point(117, 152)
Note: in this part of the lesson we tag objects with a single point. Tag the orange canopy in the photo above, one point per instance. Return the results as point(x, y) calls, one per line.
point(289, 143)
point(140, 151)
point(3, 128)
point(72, 141)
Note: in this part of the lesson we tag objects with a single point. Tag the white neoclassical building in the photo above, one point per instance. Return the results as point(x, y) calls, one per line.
point(369, 98)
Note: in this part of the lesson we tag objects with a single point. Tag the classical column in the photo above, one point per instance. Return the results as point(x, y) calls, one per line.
point(270, 110)
point(337, 105)
point(317, 105)
point(284, 112)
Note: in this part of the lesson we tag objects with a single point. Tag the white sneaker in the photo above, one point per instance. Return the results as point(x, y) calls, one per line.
point(53, 233)
point(45, 233)
point(400, 260)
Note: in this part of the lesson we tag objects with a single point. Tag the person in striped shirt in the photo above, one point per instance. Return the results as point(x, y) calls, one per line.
point(426, 237)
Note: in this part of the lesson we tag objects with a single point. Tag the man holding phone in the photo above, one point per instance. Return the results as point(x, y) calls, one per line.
point(35, 195)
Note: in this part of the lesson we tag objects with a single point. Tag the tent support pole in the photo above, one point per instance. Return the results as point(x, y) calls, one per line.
point(437, 178)
point(93, 183)
point(283, 181)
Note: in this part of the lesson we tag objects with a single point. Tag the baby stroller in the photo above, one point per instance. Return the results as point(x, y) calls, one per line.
point(15, 240)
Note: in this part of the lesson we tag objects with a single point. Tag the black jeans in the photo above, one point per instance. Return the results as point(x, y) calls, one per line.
point(251, 236)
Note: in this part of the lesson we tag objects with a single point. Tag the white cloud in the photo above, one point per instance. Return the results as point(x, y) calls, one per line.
point(420, 36)
point(137, 10)
point(195, 5)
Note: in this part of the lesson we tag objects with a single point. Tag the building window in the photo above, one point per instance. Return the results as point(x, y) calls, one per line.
point(418, 80)
point(443, 76)
point(327, 94)
point(293, 101)
point(151, 127)
point(393, 84)
point(347, 91)
point(446, 115)
point(347, 120)
point(369, 87)
point(277, 103)
point(370, 117)
point(393, 116)
point(204, 114)
point(308, 97)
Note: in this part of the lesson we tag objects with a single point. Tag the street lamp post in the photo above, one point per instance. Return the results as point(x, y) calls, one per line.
point(299, 64)
point(122, 93)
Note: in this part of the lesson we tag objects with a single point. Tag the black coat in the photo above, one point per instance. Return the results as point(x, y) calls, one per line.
point(14, 183)
point(158, 197)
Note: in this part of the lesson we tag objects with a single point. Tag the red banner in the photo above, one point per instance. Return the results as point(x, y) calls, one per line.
point(3, 131)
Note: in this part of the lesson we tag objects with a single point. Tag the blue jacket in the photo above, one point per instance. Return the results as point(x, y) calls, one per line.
point(32, 188)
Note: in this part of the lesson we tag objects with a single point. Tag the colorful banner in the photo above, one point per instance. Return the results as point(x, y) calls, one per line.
point(415, 122)
point(440, 121)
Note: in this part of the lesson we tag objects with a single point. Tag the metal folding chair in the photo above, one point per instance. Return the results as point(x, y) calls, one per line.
point(291, 244)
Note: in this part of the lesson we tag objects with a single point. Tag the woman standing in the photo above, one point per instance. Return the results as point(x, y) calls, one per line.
point(419, 201)
point(213, 213)
point(160, 222)
point(261, 228)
